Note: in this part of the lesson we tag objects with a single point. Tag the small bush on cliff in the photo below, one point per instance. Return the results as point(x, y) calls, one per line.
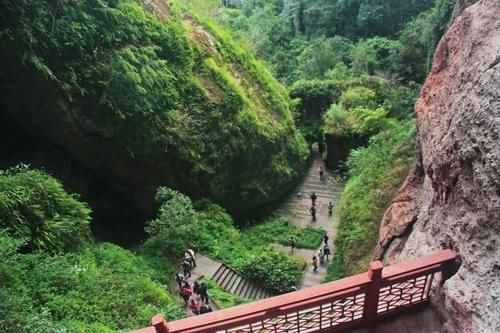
point(376, 172)
point(35, 207)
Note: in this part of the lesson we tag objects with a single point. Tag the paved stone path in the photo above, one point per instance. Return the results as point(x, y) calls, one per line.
point(205, 267)
point(296, 209)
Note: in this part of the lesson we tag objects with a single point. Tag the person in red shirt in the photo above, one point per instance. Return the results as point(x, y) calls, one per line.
point(321, 173)
point(194, 305)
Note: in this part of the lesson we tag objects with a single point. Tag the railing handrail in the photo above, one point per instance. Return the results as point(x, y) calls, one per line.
point(310, 297)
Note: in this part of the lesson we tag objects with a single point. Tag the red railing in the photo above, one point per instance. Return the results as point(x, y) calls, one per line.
point(358, 300)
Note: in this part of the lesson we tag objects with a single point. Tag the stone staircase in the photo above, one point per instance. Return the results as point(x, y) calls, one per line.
point(233, 283)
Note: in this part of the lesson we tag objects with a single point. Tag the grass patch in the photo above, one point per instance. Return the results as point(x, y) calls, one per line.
point(222, 298)
point(279, 230)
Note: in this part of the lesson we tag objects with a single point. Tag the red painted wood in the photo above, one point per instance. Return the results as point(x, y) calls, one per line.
point(357, 300)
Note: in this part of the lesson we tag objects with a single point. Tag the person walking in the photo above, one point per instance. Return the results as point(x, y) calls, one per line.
point(326, 251)
point(179, 277)
point(196, 287)
point(186, 267)
point(315, 264)
point(321, 256)
point(204, 293)
point(186, 292)
point(194, 306)
point(326, 238)
point(313, 198)
point(191, 257)
point(312, 210)
point(321, 173)
point(293, 243)
point(205, 308)
point(330, 208)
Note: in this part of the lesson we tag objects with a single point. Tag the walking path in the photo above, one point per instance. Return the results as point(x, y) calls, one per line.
point(205, 267)
point(296, 209)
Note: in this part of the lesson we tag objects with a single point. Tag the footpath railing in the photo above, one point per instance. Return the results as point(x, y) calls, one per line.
point(359, 300)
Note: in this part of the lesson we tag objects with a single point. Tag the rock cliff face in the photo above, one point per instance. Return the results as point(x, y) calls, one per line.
point(451, 198)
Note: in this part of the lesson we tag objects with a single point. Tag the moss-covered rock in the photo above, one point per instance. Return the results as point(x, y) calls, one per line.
point(143, 96)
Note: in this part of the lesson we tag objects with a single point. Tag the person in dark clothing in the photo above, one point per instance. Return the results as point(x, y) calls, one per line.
point(186, 267)
point(312, 210)
point(326, 251)
point(204, 293)
point(196, 288)
point(313, 198)
point(293, 243)
point(326, 238)
point(205, 308)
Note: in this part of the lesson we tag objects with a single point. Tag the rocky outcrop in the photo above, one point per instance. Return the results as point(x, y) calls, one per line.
point(451, 198)
point(131, 101)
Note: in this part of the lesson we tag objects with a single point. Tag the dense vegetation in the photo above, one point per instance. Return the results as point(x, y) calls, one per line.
point(354, 69)
point(184, 91)
point(211, 231)
point(163, 92)
point(53, 278)
point(375, 174)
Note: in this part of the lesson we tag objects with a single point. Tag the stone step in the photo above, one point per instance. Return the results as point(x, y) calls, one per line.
point(231, 282)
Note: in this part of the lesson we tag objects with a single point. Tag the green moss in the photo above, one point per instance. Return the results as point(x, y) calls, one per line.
point(146, 85)
point(376, 172)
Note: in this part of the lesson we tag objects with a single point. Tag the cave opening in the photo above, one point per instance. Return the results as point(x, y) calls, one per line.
point(114, 218)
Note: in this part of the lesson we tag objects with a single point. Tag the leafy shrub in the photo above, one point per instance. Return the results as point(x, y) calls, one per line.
point(36, 208)
point(101, 288)
point(273, 270)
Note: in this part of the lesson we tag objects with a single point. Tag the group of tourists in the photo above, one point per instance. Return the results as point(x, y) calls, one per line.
point(314, 197)
point(323, 252)
point(196, 296)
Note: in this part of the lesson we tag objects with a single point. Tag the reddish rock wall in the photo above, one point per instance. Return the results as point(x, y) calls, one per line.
point(451, 198)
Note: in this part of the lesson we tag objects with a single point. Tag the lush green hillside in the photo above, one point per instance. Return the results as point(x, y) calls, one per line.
point(53, 278)
point(176, 99)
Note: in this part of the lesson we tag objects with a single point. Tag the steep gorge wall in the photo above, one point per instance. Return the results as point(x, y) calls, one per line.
point(451, 198)
point(131, 102)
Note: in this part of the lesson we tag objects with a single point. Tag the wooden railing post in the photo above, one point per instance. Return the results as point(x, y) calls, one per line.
point(372, 294)
point(160, 324)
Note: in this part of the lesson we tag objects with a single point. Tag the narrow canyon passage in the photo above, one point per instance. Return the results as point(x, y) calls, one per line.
point(296, 210)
